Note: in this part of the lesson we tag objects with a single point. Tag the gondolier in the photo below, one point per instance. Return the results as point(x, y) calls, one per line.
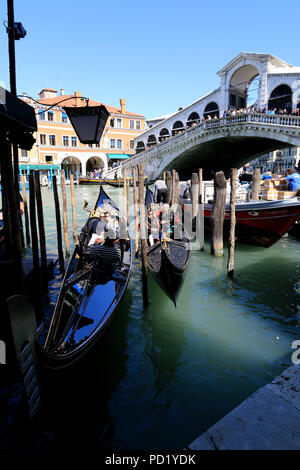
point(108, 254)
point(160, 191)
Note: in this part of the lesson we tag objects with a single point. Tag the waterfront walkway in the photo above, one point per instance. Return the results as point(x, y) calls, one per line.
point(268, 420)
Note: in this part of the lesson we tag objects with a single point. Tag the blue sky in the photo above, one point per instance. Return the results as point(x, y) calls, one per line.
point(158, 55)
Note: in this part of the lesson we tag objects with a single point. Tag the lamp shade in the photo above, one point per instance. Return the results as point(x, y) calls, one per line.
point(88, 122)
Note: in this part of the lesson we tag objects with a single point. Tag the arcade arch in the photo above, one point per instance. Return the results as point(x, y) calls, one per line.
point(164, 134)
point(193, 119)
point(71, 165)
point(281, 98)
point(140, 147)
point(211, 109)
point(94, 163)
point(240, 85)
point(151, 140)
point(177, 127)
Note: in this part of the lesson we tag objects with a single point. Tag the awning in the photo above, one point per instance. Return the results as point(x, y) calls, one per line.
point(23, 166)
point(118, 156)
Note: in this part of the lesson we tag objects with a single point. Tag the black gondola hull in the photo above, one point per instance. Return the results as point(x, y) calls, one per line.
point(167, 274)
point(87, 303)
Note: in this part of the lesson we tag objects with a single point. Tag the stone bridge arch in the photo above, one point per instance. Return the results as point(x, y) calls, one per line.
point(220, 144)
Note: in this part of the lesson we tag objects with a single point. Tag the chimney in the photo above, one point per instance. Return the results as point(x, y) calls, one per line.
point(24, 94)
point(123, 105)
point(77, 98)
point(62, 91)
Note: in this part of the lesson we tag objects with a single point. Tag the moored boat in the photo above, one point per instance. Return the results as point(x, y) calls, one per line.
point(86, 180)
point(120, 183)
point(168, 258)
point(88, 299)
point(259, 222)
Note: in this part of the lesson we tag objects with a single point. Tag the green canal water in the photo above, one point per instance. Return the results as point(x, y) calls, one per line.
point(162, 375)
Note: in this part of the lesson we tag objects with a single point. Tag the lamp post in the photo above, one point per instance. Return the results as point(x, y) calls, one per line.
point(88, 122)
point(15, 31)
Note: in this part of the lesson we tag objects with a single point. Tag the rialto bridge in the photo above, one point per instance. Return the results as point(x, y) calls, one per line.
point(202, 135)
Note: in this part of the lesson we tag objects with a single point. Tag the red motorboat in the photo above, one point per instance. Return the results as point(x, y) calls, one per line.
point(258, 222)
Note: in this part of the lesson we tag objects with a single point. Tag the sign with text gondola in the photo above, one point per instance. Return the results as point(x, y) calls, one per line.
point(88, 122)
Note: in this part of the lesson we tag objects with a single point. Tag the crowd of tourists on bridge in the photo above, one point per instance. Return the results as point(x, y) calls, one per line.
point(285, 111)
point(234, 112)
point(252, 109)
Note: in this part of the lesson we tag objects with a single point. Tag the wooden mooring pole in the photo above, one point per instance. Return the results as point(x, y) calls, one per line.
point(231, 245)
point(256, 183)
point(169, 186)
point(176, 189)
point(13, 278)
point(34, 235)
point(65, 218)
point(143, 233)
point(24, 197)
point(200, 217)
point(200, 177)
point(42, 236)
point(127, 201)
point(136, 222)
point(75, 237)
point(195, 194)
point(58, 226)
point(218, 214)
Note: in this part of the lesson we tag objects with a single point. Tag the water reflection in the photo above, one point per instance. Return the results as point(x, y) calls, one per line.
point(163, 375)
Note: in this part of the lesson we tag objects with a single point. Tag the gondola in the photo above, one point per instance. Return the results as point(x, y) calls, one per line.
point(88, 299)
point(168, 258)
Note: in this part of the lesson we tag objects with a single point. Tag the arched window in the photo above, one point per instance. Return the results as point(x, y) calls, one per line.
point(163, 135)
point(178, 127)
point(140, 146)
point(193, 119)
point(281, 98)
point(211, 110)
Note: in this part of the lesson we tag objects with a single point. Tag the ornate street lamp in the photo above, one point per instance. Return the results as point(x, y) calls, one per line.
point(88, 122)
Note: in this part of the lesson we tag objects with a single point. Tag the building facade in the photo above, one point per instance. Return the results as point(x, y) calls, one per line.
point(57, 144)
point(277, 161)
